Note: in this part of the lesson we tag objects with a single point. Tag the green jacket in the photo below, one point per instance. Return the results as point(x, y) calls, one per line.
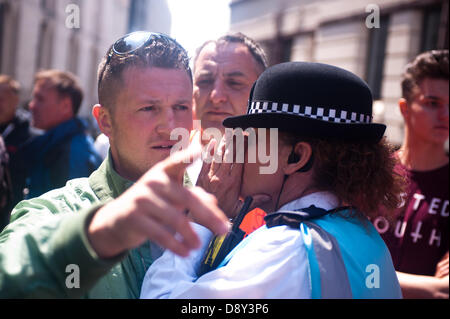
point(45, 246)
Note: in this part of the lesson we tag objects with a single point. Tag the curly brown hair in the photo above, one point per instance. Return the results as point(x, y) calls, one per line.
point(360, 174)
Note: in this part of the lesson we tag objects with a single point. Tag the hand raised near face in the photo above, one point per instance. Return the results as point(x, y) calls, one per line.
point(154, 209)
point(221, 175)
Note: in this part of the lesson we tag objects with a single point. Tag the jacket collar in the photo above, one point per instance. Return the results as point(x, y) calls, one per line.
point(106, 183)
point(324, 200)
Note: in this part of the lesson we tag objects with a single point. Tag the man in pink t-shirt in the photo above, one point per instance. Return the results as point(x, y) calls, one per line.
point(418, 236)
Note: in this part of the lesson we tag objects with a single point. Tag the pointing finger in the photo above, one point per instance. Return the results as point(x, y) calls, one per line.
point(175, 165)
point(203, 208)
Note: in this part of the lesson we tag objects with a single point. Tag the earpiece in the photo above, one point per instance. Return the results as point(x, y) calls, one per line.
point(294, 158)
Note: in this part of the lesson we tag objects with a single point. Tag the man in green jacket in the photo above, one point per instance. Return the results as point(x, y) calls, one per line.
point(97, 236)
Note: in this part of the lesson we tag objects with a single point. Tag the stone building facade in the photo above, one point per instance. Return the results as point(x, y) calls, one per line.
point(375, 39)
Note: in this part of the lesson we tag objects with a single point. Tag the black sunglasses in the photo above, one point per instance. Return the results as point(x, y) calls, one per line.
point(133, 41)
point(136, 40)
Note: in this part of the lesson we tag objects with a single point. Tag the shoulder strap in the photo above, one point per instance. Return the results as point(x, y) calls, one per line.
point(296, 217)
point(327, 271)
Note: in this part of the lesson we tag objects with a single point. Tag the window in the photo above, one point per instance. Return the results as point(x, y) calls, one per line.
point(9, 30)
point(73, 53)
point(137, 16)
point(435, 28)
point(277, 50)
point(286, 50)
point(45, 46)
point(95, 59)
point(375, 56)
point(48, 6)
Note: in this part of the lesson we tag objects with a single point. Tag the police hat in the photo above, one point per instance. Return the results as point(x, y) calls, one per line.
point(311, 100)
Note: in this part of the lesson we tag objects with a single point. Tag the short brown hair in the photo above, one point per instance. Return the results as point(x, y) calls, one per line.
point(12, 84)
point(162, 52)
point(360, 174)
point(255, 49)
point(65, 83)
point(430, 64)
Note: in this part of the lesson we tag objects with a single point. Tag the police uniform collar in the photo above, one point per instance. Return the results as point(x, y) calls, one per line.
point(309, 207)
point(325, 200)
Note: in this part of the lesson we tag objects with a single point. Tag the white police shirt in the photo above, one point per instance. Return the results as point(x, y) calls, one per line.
point(273, 264)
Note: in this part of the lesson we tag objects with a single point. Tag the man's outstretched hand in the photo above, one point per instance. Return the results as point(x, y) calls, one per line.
point(154, 209)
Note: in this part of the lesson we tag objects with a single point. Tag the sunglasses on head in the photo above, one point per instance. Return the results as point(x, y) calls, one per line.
point(134, 41)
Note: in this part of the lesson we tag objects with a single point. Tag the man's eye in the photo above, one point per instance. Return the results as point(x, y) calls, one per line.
point(147, 108)
point(204, 82)
point(235, 84)
point(432, 104)
point(181, 107)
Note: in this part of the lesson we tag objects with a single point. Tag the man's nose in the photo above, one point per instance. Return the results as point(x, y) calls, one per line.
point(166, 122)
point(218, 93)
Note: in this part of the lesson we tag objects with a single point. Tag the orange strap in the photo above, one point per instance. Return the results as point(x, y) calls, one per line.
point(252, 221)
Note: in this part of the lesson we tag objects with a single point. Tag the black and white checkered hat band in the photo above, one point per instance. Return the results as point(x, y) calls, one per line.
point(319, 113)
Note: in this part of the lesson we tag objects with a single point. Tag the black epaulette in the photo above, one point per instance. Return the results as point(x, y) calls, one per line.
point(294, 218)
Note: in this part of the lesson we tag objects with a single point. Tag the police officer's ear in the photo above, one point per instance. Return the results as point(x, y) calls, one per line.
point(103, 117)
point(300, 159)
